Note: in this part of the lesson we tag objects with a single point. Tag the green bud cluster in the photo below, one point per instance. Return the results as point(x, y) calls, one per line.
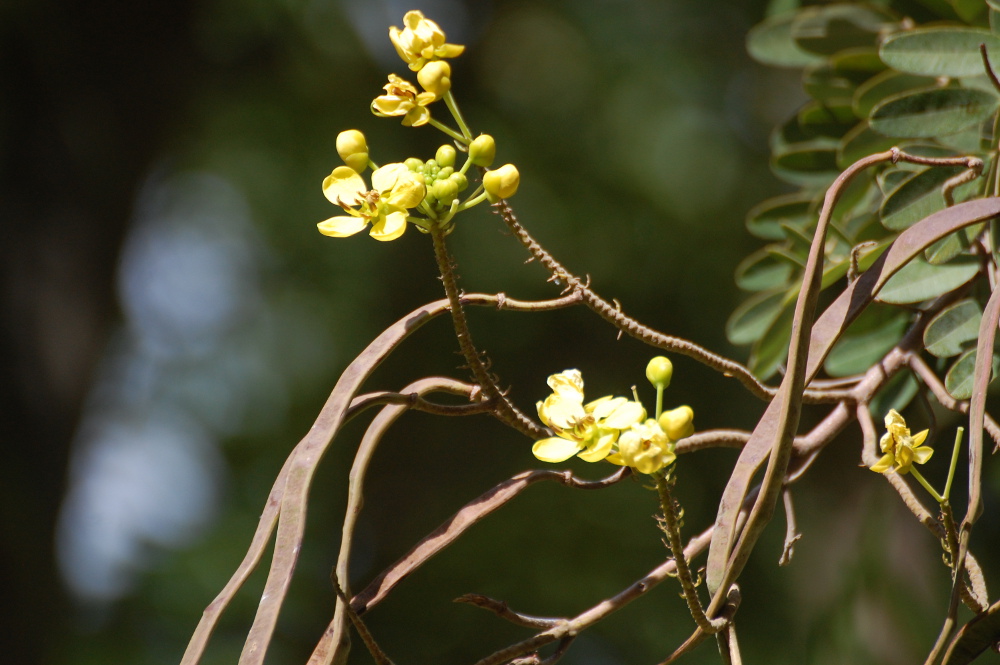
point(443, 182)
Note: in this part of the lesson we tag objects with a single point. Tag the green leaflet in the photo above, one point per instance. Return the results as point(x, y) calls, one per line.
point(918, 280)
point(947, 333)
point(770, 42)
point(939, 51)
point(958, 380)
point(866, 341)
point(762, 271)
point(932, 112)
point(833, 28)
point(754, 316)
point(916, 197)
point(884, 85)
point(766, 219)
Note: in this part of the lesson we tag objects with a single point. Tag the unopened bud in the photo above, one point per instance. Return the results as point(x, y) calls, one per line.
point(678, 423)
point(435, 77)
point(659, 371)
point(353, 149)
point(445, 155)
point(501, 183)
point(483, 150)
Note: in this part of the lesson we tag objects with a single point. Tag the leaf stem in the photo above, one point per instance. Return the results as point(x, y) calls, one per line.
point(927, 486)
point(954, 462)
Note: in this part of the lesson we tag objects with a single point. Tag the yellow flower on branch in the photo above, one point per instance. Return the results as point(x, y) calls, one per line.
point(589, 431)
point(401, 98)
point(395, 189)
point(645, 447)
point(421, 40)
point(901, 450)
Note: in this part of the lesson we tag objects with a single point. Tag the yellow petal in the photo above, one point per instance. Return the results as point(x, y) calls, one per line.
point(344, 184)
point(919, 438)
point(600, 450)
point(409, 190)
point(554, 449)
point(922, 454)
point(626, 415)
point(389, 227)
point(883, 465)
point(615, 458)
point(384, 178)
point(341, 227)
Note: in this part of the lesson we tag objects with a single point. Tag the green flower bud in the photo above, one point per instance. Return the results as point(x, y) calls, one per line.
point(414, 164)
point(353, 149)
point(659, 371)
point(444, 191)
point(501, 183)
point(445, 155)
point(445, 173)
point(483, 150)
point(460, 180)
point(678, 423)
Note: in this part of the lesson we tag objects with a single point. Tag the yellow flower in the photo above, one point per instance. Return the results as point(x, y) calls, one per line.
point(395, 190)
point(401, 98)
point(501, 183)
point(901, 450)
point(589, 431)
point(421, 40)
point(645, 447)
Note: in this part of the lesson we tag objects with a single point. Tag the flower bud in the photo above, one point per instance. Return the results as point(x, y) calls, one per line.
point(353, 149)
point(501, 183)
point(483, 150)
point(445, 191)
point(445, 155)
point(414, 164)
point(435, 77)
point(678, 423)
point(460, 180)
point(659, 371)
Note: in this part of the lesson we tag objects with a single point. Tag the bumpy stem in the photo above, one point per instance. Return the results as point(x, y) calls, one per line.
point(672, 528)
point(505, 411)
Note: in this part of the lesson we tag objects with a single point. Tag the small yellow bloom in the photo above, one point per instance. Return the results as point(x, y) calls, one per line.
point(353, 149)
point(501, 183)
point(435, 78)
point(589, 431)
point(396, 189)
point(401, 98)
point(645, 447)
point(901, 450)
point(421, 40)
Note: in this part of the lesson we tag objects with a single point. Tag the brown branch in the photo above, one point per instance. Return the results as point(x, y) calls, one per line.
point(458, 523)
point(502, 610)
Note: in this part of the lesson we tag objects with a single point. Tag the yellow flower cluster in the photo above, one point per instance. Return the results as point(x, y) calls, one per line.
point(432, 188)
point(615, 429)
point(901, 450)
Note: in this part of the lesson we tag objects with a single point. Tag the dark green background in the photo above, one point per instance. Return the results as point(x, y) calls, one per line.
point(639, 128)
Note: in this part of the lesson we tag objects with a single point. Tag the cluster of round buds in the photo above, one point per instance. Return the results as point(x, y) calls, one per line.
point(443, 182)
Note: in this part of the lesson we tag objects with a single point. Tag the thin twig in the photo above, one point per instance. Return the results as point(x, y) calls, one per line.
point(792, 534)
point(502, 610)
